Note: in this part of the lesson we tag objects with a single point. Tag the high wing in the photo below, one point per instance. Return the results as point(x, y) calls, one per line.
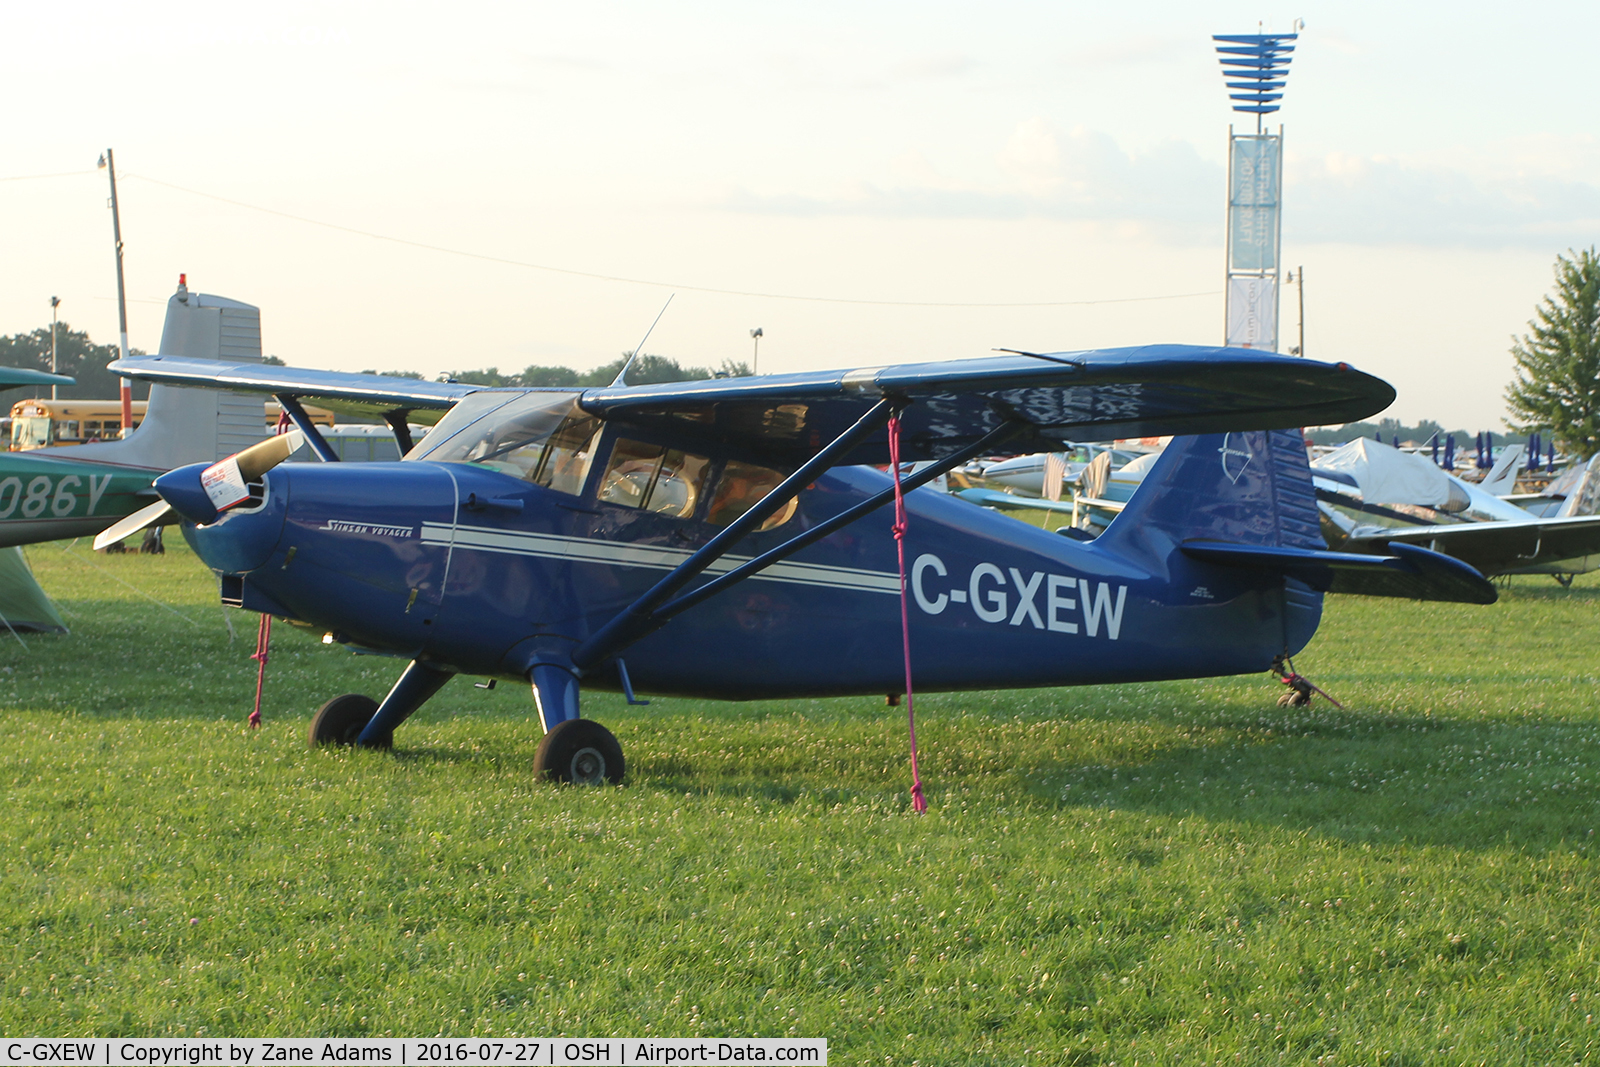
point(1539, 546)
point(1050, 398)
point(372, 395)
point(1061, 396)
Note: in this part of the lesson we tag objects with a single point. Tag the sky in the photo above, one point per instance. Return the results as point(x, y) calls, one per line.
point(429, 188)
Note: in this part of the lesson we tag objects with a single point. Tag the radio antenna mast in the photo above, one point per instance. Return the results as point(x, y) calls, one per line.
point(623, 373)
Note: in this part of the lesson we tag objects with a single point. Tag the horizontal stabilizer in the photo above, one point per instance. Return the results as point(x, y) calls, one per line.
point(1411, 572)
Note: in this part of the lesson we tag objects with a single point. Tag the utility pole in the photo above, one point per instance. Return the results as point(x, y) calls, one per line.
point(1297, 278)
point(755, 357)
point(55, 302)
point(109, 163)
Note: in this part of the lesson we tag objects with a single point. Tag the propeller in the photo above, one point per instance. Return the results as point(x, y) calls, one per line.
point(149, 515)
point(200, 494)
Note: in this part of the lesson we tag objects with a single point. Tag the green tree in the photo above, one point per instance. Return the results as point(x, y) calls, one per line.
point(76, 355)
point(647, 370)
point(1557, 383)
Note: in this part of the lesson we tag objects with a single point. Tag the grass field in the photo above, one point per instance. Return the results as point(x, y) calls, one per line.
point(1150, 874)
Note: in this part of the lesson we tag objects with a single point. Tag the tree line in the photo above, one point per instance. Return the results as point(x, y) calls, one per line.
point(76, 356)
point(646, 370)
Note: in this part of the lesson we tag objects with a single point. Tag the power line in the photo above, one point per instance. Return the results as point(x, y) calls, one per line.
point(646, 281)
point(36, 177)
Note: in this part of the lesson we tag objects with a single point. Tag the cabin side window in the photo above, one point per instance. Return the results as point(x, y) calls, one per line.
point(740, 488)
point(654, 478)
point(540, 437)
point(564, 461)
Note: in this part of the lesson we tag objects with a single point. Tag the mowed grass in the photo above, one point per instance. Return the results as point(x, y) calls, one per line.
point(1170, 873)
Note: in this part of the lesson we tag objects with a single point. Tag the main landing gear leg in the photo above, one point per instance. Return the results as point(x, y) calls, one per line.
point(416, 685)
point(575, 750)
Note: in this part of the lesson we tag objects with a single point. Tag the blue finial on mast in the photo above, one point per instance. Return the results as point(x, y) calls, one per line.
point(1258, 64)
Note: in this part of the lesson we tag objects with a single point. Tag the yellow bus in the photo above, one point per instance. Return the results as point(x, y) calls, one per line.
point(45, 423)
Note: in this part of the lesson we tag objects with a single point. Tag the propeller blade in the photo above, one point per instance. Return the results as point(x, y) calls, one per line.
point(262, 456)
point(148, 515)
point(225, 480)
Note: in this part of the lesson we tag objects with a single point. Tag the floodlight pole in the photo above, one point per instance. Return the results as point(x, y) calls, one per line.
point(109, 162)
point(55, 301)
point(755, 357)
point(1300, 293)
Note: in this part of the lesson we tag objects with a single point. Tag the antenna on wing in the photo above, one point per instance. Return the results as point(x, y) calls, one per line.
point(623, 373)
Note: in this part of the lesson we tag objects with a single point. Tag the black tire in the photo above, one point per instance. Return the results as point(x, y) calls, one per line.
point(579, 752)
point(341, 720)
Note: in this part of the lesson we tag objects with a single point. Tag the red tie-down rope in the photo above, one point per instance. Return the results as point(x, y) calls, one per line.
point(264, 632)
point(919, 803)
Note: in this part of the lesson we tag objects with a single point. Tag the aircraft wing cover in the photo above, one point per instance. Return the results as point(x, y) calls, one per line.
point(371, 393)
point(1386, 475)
point(1410, 572)
point(1125, 392)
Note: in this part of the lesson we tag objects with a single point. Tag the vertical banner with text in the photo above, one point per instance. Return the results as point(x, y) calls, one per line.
point(1253, 312)
point(1255, 169)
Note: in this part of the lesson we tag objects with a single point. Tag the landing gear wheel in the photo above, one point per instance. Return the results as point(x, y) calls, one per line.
point(341, 720)
point(581, 752)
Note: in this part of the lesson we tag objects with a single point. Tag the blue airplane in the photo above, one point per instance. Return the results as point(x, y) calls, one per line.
point(707, 539)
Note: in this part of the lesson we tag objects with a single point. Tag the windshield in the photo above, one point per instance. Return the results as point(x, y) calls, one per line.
point(510, 431)
point(29, 433)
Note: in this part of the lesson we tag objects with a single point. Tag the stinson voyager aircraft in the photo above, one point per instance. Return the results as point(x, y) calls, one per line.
point(723, 538)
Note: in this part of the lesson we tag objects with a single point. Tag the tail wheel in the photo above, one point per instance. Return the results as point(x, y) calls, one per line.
point(341, 720)
point(580, 752)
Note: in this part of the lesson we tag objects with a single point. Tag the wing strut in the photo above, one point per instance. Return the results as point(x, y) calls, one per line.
point(641, 618)
point(638, 618)
point(397, 421)
point(303, 423)
point(987, 442)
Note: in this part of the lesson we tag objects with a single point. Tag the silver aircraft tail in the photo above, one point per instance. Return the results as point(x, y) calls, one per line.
point(183, 426)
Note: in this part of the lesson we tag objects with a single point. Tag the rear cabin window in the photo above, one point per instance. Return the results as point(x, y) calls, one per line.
point(654, 478)
point(740, 488)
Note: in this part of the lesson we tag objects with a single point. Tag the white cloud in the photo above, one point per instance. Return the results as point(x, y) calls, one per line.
point(1533, 195)
point(944, 65)
point(1041, 172)
point(1380, 200)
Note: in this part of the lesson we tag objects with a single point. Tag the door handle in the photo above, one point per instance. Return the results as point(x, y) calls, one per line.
point(474, 502)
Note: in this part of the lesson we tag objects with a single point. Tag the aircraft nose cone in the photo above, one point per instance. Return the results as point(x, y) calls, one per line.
point(182, 489)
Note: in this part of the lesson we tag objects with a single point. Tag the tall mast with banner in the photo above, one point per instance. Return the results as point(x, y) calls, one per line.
point(1256, 67)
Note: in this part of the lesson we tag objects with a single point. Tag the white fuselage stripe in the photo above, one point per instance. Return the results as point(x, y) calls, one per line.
point(585, 550)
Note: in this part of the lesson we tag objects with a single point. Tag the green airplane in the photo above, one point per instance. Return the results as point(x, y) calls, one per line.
point(48, 494)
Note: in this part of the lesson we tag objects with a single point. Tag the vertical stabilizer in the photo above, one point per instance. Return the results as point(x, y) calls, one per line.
point(1243, 488)
point(1502, 479)
point(1235, 488)
point(183, 425)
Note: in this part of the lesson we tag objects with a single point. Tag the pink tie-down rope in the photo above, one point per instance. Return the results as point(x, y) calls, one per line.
point(919, 803)
point(264, 632)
